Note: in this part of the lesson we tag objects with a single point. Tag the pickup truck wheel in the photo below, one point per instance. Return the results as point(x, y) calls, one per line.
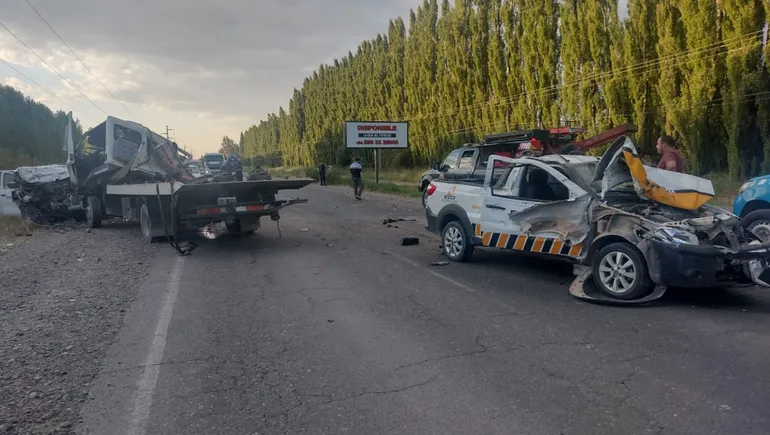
point(455, 243)
point(620, 271)
point(758, 223)
point(94, 214)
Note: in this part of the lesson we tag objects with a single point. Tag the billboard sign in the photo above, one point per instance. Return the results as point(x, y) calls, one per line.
point(376, 134)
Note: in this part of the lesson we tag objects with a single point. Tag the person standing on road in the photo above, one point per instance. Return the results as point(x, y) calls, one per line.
point(355, 174)
point(322, 173)
point(670, 157)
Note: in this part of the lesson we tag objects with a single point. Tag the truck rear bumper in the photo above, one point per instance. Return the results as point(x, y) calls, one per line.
point(213, 213)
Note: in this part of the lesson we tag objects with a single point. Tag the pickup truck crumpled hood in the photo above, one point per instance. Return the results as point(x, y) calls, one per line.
point(621, 165)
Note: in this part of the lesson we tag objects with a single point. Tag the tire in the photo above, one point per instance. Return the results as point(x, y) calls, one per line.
point(609, 266)
point(236, 229)
point(145, 221)
point(758, 223)
point(455, 242)
point(94, 215)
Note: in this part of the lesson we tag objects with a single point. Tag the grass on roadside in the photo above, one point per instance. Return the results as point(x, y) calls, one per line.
point(391, 182)
point(725, 188)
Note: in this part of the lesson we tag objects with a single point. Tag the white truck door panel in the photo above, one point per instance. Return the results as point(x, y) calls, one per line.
point(502, 198)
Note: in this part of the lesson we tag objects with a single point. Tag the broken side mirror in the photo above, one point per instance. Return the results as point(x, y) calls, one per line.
point(436, 166)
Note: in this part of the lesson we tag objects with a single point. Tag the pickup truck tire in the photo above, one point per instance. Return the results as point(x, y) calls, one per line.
point(620, 271)
point(94, 213)
point(455, 242)
point(758, 223)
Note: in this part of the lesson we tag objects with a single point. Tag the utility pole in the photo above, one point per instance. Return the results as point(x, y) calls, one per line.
point(168, 137)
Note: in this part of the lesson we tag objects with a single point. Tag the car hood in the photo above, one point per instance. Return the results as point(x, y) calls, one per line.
point(621, 168)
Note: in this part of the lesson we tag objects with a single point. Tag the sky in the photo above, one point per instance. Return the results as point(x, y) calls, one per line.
point(203, 68)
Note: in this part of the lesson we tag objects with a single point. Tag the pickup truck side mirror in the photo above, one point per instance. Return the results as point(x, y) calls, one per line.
point(436, 166)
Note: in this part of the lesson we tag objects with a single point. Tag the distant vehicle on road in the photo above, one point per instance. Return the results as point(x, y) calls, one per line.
point(752, 205)
point(7, 207)
point(212, 163)
point(194, 169)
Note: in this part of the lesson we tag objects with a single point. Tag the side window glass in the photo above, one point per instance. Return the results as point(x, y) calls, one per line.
point(539, 185)
point(451, 160)
point(507, 181)
point(466, 161)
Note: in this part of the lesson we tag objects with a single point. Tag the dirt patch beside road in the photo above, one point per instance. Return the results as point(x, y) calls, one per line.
point(62, 301)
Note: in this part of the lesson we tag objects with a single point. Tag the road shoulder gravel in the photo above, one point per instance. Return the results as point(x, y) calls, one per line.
point(63, 300)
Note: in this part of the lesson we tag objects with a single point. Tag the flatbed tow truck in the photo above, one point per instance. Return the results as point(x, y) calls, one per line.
point(122, 169)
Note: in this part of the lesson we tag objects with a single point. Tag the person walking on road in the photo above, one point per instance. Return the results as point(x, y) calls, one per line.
point(322, 173)
point(670, 157)
point(355, 174)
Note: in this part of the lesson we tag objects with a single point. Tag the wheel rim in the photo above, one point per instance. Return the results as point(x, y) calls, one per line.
point(453, 242)
point(761, 229)
point(617, 272)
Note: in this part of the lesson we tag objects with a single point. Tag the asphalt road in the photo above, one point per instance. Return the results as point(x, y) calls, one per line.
point(336, 328)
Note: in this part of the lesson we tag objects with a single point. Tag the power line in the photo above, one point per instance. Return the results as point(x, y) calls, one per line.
point(76, 56)
point(9, 65)
point(52, 68)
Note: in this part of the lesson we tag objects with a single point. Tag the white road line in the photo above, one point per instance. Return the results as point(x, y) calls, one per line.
point(146, 385)
point(434, 273)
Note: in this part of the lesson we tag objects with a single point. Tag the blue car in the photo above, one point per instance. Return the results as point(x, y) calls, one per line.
point(753, 206)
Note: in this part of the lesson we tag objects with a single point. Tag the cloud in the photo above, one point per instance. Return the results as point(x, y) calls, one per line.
point(233, 61)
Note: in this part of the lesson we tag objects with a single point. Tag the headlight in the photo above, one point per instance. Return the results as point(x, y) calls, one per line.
point(673, 235)
point(745, 186)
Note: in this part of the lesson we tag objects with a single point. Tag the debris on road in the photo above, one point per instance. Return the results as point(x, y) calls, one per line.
point(440, 263)
point(410, 241)
point(391, 220)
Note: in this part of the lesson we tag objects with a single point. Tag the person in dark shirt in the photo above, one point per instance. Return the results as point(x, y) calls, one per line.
point(355, 174)
point(670, 157)
point(322, 173)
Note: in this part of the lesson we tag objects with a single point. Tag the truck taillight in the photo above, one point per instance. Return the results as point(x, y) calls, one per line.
point(431, 188)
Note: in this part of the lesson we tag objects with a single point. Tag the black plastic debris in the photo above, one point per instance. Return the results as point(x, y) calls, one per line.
point(410, 241)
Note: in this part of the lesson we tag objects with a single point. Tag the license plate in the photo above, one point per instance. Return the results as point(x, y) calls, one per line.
point(226, 200)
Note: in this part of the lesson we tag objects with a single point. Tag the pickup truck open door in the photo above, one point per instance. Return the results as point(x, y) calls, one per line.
point(529, 207)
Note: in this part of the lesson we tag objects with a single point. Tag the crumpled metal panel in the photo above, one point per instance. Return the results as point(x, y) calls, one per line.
point(42, 174)
point(569, 220)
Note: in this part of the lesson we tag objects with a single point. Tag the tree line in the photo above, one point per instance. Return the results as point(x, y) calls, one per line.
point(30, 133)
point(694, 69)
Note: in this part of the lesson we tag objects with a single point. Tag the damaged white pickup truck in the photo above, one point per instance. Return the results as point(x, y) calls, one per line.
point(637, 228)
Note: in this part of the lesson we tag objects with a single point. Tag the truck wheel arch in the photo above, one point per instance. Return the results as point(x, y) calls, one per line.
point(601, 242)
point(454, 212)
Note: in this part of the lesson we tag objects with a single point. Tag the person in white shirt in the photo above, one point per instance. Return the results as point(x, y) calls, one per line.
point(355, 174)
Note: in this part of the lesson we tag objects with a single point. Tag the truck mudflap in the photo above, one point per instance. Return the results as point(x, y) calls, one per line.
point(583, 288)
